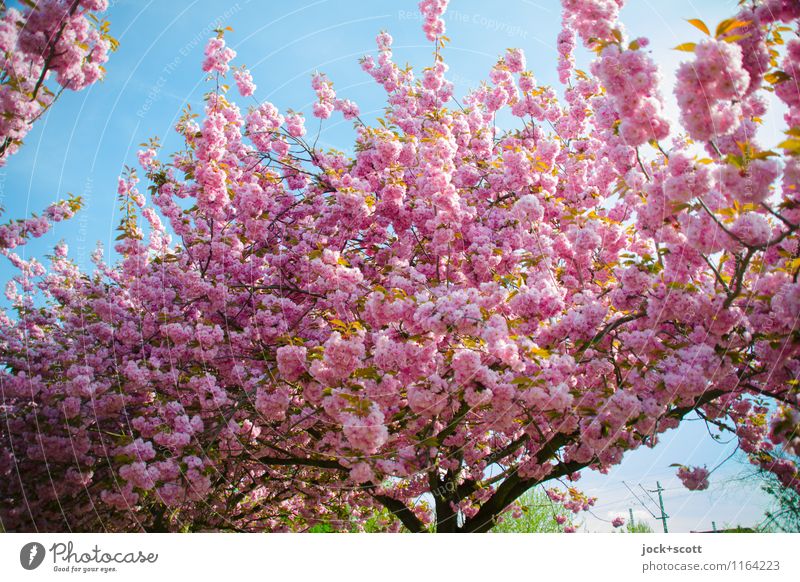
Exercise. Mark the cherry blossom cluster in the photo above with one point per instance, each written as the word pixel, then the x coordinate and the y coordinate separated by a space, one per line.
pixel 244 82
pixel 694 479
pixel 432 11
pixel 61 38
pixel 16 233
pixel 710 88
pixel 594 20
pixel 631 81
pixel 218 55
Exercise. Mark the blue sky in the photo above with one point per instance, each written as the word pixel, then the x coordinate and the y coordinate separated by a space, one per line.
pixel 82 144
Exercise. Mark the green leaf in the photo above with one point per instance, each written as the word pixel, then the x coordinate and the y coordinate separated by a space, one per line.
pixel 370 373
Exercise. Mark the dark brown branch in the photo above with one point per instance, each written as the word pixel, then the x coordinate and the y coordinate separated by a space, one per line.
pixel 319 463
pixel 611 327
pixel 401 511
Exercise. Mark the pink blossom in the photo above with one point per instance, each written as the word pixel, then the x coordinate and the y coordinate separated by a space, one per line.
pixel 291 361
pixel 366 433
pixel 432 10
pixel 694 479
pixel 218 56
pixel 709 88
pixel 752 229
pixel 244 82
pixel 361 473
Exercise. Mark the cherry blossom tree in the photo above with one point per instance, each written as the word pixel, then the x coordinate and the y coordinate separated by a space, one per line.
pixel 435 323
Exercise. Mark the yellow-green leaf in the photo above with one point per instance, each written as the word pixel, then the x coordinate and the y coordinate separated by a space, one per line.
pixel 792 145
pixel 776 77
pixel 370 373
pixel 687 47
pixel 699 24
pixel 735 37
pixel 728 25
pixel 537 351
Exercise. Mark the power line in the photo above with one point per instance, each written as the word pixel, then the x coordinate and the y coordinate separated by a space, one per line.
pixel 648 494
pixel 640 501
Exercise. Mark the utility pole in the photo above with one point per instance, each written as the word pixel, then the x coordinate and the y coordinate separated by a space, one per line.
pixel 664 516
